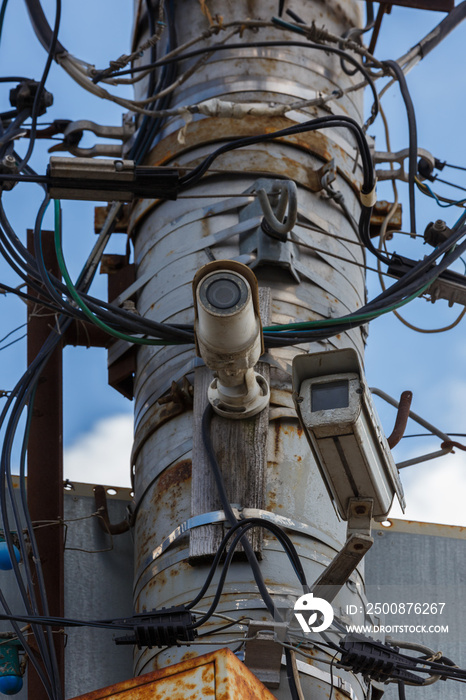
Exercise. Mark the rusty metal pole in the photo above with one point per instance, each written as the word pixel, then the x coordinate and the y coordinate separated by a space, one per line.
pixel 266 463
pixel 45 463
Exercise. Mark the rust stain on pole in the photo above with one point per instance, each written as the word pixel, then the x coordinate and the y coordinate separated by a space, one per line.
pixel 45 462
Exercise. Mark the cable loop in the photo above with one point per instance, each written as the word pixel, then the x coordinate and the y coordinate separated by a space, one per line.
pixel 277 222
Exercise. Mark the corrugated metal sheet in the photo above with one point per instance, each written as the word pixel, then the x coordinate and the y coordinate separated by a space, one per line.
pixel 422 563
pixel 98 584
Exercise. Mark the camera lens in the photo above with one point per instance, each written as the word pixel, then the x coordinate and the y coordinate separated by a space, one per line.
pixel 223 293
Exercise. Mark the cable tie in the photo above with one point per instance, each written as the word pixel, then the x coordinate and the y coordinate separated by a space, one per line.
pixel 368 199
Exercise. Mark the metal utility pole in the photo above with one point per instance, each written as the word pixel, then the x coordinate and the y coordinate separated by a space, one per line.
pixel 265 460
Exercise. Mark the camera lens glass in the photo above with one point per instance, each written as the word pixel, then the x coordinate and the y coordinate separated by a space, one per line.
pixel 223 293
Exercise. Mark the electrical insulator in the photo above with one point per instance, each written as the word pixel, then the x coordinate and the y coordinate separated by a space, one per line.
pixel 5 559
pixel 11 680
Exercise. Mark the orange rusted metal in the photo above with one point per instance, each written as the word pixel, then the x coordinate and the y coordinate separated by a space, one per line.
pixel 216 676
pixel 379 214
pixel 100 216
pixel 219 129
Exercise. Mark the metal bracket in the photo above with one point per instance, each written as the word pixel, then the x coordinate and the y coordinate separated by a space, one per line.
pixel 331 679
pixel 263 651
pixel 269 250
pixel 446 439
pixel 74 133
pixel 358 542
pixel 398 157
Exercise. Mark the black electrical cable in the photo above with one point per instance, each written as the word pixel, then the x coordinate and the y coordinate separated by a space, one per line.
pixel 151 126
pixel 28 650
pixel 153 48
pixel 8 335
pixel 16 401
pixel 10 114
pixel 13 342
pixel 2 16
pixel 206 423
pixel 456 167
pixel 219 590
pixel 22 391
pixel 423 273
pixel 52 665
pixel 12 79
pixel 290 675
pixel 122 318
pixel 375 305
pixel 418 435
pixel 253 44
pixel 244 526
pixel 356 32
pixel 42 28
pixel 313 125
pixel 53 44
pixel 412 127
pixel 451 184
pixel 13 131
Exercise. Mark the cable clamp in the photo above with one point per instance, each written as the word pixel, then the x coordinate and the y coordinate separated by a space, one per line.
pixel 160 628
pixel 368 199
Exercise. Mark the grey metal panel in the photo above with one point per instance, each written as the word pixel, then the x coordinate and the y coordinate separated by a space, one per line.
pixel 418 562
pixel 97 586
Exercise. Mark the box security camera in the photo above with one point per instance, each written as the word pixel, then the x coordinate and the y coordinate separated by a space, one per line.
pixel 229 337
pixel 334 405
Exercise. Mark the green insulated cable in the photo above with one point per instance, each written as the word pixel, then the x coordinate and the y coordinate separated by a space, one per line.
pixel 310 325
pixel 80 302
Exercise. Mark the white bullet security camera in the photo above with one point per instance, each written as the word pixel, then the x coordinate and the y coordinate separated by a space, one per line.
pixel 334 405
pixel 229 337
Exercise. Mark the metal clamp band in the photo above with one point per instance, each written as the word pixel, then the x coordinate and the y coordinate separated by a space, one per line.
pixel 218 516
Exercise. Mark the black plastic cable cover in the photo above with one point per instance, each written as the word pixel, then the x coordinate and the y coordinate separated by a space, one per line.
pixel 41 27
pixel 400 76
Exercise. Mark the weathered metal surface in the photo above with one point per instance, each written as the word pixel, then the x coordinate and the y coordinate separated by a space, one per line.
pixel 175 240
pixel 257 161
pixel 121 369
pixel 263 652
pixel 421 562
pixel 101 508
pixel 219 675
pixel 98 584
pixel 379 213
pixel 100 216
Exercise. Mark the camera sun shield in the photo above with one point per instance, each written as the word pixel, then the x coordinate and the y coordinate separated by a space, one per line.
pixel 335 407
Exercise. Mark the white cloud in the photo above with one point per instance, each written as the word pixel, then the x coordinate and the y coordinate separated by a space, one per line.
pixel 436 493
pixel 102 456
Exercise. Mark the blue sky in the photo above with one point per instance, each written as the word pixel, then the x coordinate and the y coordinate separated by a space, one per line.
pixel 97 419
